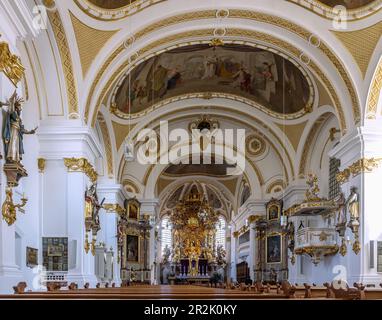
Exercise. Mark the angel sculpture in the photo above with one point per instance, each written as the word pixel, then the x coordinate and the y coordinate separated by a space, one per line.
pixel 13 131
pixel 312 194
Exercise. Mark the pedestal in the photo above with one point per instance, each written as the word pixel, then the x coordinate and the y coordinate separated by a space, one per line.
pixel 14 172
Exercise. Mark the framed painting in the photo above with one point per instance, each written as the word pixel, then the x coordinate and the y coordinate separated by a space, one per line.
pixel 274 208
pixel 133 207
pixel 31 257
pixel 132 248
pixel 56 250
pixel 55 254
pixel 274 248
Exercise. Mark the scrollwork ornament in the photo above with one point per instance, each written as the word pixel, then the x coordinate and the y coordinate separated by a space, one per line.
pixel 10 64
pixel 81 165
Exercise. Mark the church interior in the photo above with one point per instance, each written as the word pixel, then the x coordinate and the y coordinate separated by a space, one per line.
pixel 172 149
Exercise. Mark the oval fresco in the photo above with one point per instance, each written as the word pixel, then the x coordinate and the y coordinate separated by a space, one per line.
pixel 111 4
pixel 254 73
pixel 349 4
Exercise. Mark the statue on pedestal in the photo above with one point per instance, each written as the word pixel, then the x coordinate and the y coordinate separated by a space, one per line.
pixel 92 223
pixel 13 131
pixel 352 204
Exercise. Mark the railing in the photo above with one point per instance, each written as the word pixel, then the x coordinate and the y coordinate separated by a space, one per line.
pixel 307 237
pixel 316 243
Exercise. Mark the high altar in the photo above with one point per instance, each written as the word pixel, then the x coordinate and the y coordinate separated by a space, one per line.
pixel 194 256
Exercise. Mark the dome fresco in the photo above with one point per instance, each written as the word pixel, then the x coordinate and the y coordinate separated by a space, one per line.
pixel 256 74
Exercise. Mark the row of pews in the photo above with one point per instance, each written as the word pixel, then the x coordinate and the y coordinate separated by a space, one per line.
pixel 257 290
pixel 334 290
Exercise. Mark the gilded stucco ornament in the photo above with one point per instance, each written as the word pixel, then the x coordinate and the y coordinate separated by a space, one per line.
pixel 41 163
pixel 10 64
pixel 343 248
pixel 312 194
pixel 9 208
pixel 81 165
pixel 363 165
pixel 114 208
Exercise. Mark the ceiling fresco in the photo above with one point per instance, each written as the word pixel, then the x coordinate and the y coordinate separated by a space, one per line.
pixel 256 74
pixel 349 4
pixel 111 4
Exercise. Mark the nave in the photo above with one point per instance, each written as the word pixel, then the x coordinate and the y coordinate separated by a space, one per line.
pixel 184 149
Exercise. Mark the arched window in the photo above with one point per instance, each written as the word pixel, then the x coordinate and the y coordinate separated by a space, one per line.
pixel 221 232
pixel 334 186
pixel 166 237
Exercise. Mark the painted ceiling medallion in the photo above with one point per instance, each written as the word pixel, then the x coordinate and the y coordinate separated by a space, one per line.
pixel 111 4
pixel 255 145
pixel 249 72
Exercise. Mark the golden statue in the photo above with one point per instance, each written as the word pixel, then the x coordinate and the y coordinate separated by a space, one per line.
pixel 9 208
pixel 312 194
pixel 10 64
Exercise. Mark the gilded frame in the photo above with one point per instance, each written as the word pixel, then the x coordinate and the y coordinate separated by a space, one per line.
pixel 138 247
pixel 278 235
pixel 133 209
pixel 31 257
pixel 274 208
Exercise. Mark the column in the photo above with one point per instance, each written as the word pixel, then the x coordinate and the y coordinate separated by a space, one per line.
pixel 71 152
pixel 114 195
pixel 252 252
pixel 361 167
pixel 228 255
pixel 233 255
pixel 149 207
pixel 83 263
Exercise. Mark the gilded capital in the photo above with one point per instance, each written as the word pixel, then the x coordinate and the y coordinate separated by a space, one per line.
pixel 81 165
pixel 253 218
pixel 114 208
pixel 41 164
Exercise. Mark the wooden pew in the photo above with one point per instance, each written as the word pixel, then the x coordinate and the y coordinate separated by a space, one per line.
pixel 73 286
pixel 345 292
pixel 288 289
pixel 308 291
pixel 20 288
pixel 53 287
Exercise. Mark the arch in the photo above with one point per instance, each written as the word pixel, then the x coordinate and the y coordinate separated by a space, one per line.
pixel 371 111
pixel 188 182
pixel 240 114
pixel 158 169
pixel 298 31
pixel 306 143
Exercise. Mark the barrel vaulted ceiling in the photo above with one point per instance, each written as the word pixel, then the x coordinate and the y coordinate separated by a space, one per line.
pixel 101 47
